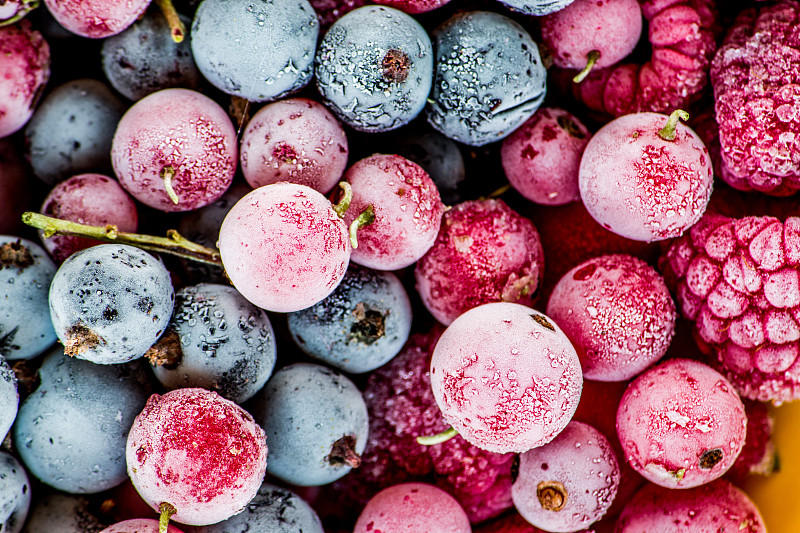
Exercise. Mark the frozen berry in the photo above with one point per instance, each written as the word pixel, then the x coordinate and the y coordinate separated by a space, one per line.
pixel 24 71
pixel 96 18
pixel 139 525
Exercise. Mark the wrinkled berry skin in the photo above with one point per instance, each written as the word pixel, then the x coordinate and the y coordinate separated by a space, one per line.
pixel 374 68
pixel 681 424
pixel 475 100
pixel 755 75
pixel 260 50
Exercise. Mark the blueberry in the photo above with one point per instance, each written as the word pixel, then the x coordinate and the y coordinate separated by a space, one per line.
pixel 536 7
pixel 489 78
pixel 9 397
pixel 374 68
pixel 441 159
pixel 360 326
pixel 25 276
pixel 65 513
pixel 15 494
pixel 260 50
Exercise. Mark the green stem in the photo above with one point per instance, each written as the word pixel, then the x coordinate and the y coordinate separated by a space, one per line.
pixel 344 204
pixel 167 173
pixel 501 191
pixel 167 511
pixel 177 29
pixel 444 436
pixel 174 243
pixel 27 7
pixel 591 59
pixel 668 132
pixel 367 216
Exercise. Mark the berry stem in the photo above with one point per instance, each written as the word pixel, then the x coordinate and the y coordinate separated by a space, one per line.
pixel 167 511
pixel 174 243
pixel 344 204
pixel 501 191
pixel 591 59
pixel 366 217
pixel 439 438
pixel 167 173
pixel 26 7
pixel 668 132
pixel 177 29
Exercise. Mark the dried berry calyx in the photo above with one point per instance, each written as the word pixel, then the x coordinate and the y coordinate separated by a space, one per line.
pixel 710 458
pixel 552 495
pixel 370 325
pixel 395 66
pixel 80 338
pixel 15 255
pixel 343 452
pixel 166 351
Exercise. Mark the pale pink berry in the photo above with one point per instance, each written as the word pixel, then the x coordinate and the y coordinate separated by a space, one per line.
pixel 24 71
pixel 413 507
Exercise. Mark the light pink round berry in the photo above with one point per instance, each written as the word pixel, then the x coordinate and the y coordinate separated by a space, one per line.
pixel 641 186
pixel 712 508
pixel 138 525
pixel 570 482
pixel 618 313
pixel 96 19
pixel 413 507
pixel 506 377
pixel 296 140
pixel 541 158
pixel 24 71
pixel 681 424
pixel 175 139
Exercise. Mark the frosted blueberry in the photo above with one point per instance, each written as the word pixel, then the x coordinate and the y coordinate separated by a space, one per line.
pixel 15 494
pixel 9 397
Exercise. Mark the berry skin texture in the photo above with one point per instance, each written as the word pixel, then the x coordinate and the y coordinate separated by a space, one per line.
pixel 641 186
pixel 413 507
pixel 755 78
pixel 295 140
pixel 570 482
pixel 506 377
pixel 711 508
pixel 138 525
pixel 618 313
pixel 485 252
pixel 408 211
pixel 739 280
pixel 284 247
pixel 197 451
pixel 176 131
pixel 24 71
pixel 536 7
pixel 9 397
pixel 681 424
pixel 15 494
pixel 96 18
pixel 541 158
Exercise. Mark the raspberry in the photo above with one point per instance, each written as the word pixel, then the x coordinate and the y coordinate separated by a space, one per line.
pixel 755 76
pixel 739 280
pixel 758 455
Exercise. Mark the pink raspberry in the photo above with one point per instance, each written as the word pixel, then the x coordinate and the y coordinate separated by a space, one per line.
pixel 758 455
pixel 739 280
pixel 755 75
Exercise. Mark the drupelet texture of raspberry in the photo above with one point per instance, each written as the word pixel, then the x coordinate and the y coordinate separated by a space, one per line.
pixel 682 34
pixel 401 408
pixel 739 280
pixel 756 80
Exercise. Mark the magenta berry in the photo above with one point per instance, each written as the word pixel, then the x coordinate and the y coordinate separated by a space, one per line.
pixel 296 140
pixel 200 453
pixel 485 252
pixel 618 313
pixel 96 18
pixel 758 454
pixel 646 176
pixel 408 211
pixel 87 199
pixel 24 71
pixel 175 150
pixel 681 424
pixel 413 507
pixel 711 508
pixel 541 158
pixel 570 482
pixel 284 247
pixel 506 377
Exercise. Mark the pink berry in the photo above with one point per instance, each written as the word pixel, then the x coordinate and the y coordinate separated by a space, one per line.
pixel 618 313
pixel 541 158
pixel 639 184
pixel 175 150
pixel 91 199
pixel 24 71
pixel 408 211
pixel 485 252
pixel 506 377
pixel 96 18
pixel 412 7
pixel 681 424
pixel 570 482
pixel 200 453
pixel 296 140
pixel 712 508
pixel 758 454
pixel 412 507
pixel 138 525
pixel 610 27
pixel 284 247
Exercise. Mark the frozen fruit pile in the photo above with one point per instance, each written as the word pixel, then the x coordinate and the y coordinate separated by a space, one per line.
pixel 333 266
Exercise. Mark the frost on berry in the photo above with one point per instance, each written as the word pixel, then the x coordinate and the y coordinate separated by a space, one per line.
pixel 755 75
pixel 739 280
